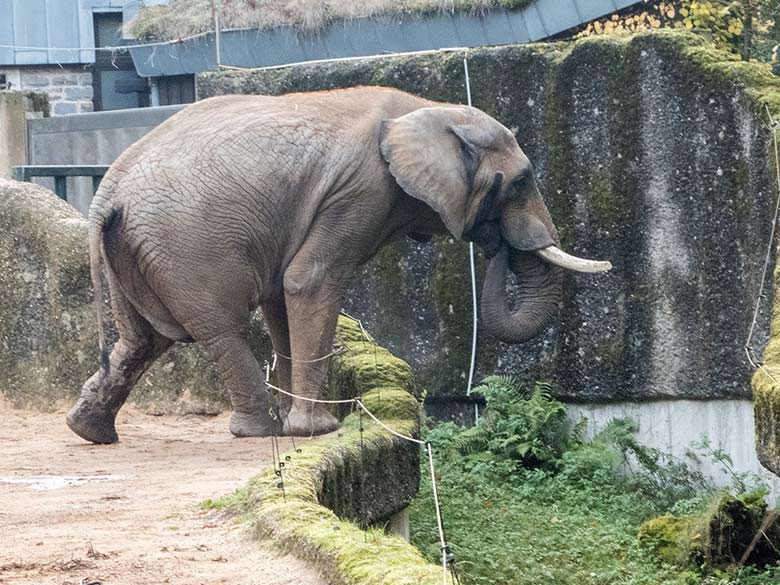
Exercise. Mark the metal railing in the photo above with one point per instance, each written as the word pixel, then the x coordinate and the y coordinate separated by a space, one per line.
pixel 60 174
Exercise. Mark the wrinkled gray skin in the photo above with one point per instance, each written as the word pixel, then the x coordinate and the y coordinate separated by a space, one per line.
pixel 245 201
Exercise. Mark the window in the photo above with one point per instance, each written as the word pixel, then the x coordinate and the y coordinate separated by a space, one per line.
pixel 115 81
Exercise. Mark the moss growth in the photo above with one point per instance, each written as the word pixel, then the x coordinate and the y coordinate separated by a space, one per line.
pixel 351 474
pixel 365 365
pixel 766 392
pixel 717 537
pixel 669 537
pixel 609 352
pixel 717 69
pixel 390 267
pixel 231 500
pixel 605 204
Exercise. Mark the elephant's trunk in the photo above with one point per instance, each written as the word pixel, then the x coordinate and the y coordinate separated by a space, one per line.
pixel 540 292
pixel 533 255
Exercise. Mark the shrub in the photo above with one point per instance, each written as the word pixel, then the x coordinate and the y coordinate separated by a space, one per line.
pixel 521 426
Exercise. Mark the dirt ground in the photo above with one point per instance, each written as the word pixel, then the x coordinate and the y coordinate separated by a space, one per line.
pixel 72 513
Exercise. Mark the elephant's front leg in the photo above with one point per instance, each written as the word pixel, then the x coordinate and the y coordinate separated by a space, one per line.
pixel 313 305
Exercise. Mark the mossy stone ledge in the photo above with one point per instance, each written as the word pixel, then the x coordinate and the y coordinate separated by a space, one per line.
pixel 340 488
pixel 766 395
pixel 718 537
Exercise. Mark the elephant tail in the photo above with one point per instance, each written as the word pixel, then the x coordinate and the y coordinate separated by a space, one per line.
pixel 99 222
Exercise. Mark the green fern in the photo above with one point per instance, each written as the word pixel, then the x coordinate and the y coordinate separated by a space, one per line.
pixel 520 425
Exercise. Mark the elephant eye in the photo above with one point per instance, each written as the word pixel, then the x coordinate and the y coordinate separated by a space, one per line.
pixel 519 185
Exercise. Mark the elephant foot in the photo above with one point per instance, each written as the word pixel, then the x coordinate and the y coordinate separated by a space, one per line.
pixel 313 419
pixel 92 423
pixel 244 424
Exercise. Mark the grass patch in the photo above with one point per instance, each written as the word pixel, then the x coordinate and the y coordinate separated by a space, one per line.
pixel 181 18
pixel 563 511
pixel 232 500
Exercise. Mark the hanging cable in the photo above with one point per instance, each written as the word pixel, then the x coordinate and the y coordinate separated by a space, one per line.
pixel 757 363
pixel 361 509
pixel 475 319
pixel 447 559
pixel 439 523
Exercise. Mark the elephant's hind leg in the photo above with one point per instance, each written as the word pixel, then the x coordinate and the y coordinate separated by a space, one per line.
pixel 93 416
pixel 243 379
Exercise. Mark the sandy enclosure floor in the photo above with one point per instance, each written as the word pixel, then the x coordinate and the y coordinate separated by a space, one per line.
pixel 128 514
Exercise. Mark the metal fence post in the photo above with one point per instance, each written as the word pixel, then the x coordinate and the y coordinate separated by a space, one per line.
pixel 61 187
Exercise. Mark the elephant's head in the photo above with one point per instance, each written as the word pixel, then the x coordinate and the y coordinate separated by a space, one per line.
pixel 471 171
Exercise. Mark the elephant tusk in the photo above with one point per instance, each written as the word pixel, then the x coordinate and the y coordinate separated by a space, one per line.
pixel 554 255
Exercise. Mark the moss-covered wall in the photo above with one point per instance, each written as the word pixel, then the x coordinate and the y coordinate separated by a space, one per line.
pixel 652 152
pixel 336 492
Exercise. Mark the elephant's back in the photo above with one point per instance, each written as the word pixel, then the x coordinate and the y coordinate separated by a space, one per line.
pixel 224 173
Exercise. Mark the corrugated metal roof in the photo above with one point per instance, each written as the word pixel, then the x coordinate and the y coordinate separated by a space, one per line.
pixel 29 24
pixel 360 38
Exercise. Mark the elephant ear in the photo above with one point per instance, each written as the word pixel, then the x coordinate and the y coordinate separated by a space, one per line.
pixel 433 154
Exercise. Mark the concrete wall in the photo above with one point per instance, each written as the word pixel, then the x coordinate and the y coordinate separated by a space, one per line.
pixel 13 137
pixel 677 427
pixel 652 152
pixel 84 139
pixel 15 108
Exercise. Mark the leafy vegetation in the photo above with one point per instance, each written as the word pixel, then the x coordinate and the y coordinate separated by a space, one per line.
pixel 527 501
pixel 745 27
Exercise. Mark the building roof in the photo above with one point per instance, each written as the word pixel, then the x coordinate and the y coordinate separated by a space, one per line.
pixel 396 33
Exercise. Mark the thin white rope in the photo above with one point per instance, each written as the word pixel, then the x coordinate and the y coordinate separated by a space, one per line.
pixel 475 318
pixel 442 540
pixel 345 401
pixel 111 48
pixel 767 259
pixel 307 399
pixel 336 351
pixel 387 428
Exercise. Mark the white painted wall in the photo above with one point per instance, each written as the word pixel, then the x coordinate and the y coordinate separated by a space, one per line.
pixel 673 425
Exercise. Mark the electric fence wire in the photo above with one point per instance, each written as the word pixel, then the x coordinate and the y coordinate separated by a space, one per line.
pixel 108 48
pixel 758 363
pixel 362 507
pixel 448 564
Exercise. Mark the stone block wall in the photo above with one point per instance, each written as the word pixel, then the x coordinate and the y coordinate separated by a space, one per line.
pixel 69 87
pixel 651 151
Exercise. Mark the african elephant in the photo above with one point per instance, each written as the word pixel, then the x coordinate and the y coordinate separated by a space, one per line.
pixel 244 201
